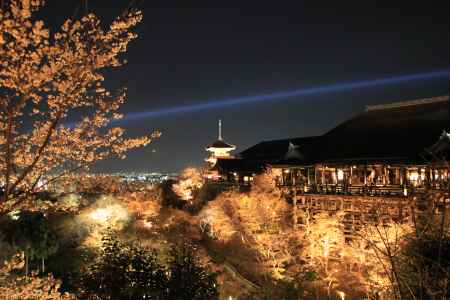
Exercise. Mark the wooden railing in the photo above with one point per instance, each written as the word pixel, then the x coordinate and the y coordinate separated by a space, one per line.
pixel 366 190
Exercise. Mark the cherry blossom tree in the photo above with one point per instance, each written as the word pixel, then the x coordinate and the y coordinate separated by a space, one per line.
pixel 56 115
pixel 28 288
pixel 190 183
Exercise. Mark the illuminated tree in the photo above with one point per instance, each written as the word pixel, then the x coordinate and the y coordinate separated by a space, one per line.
pixel 261 221
pixel 188 185
pixel 325 239
pixel 411 260
pixel 55 112
pixel 17 287
pixel 99 184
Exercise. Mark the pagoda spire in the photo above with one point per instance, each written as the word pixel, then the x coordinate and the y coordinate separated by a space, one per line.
pixel 220 130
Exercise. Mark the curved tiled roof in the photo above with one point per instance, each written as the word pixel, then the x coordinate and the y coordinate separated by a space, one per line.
pixel 394 133
pixel 220 144
pixel 274 149
pixel 401 130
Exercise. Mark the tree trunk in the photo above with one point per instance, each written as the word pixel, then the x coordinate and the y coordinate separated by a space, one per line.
pixel 294 213
pixel 442 227
pixel 26 266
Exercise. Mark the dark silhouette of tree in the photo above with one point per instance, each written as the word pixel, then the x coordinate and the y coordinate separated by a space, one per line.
pixel 188 280
pixel 124 271
pixel 32 234
pixel 128 271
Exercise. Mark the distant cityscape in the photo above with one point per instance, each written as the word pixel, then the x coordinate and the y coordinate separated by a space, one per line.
pixel 151 177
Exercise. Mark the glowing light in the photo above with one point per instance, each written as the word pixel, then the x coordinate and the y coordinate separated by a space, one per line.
pixel 341 295
pixel 101 214
pixel 109 215
pixel 317 90
pixel 14 215
pixel 147 224
pixel 340 174
pixel 422 174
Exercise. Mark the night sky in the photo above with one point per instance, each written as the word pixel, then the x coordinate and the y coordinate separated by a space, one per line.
pixel 196 51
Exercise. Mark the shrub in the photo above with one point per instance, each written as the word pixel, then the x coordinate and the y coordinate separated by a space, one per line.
pixel 124 271
pixel 188 280
pixel 128 271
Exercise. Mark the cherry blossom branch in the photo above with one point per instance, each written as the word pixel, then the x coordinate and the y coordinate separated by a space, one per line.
pixel 39 152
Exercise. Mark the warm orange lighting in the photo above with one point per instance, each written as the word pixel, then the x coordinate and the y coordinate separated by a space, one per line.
pixel 110 214
pixel 413 175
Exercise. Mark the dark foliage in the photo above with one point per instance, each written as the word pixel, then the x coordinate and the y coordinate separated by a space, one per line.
pixel 202 196
pixel 188 280
pixel 127 271
pixel 32 234
pixel 124 271
pixel 427 266
pixel 168 196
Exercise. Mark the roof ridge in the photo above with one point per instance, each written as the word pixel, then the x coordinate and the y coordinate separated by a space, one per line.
pixel 407 103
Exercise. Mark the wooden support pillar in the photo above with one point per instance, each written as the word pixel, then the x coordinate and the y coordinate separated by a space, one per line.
pixel 294 212
pixel 385 175
pixel 315 175
pixel 406 173
pixel 402 177
pixel 351 176
pixel 308 179
pixel 336 176
pixel 428 183
pixel 323 175
pixel 365 174
pixel 431 176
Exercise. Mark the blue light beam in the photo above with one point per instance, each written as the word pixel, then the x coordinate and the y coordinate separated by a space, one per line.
pixel 332 88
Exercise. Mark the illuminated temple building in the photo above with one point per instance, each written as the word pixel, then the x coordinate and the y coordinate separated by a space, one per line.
pixel 391 149
pixel 219 149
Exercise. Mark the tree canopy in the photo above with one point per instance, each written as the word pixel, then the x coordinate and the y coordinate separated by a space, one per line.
pixel 55 112
pixel 128 271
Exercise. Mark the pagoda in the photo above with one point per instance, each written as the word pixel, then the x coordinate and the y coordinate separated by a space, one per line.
pixel 218 149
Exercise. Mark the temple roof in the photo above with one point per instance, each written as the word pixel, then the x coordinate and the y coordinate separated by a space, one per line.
pixel 274 150
pixel 395 133
pixel 399 131
pixel 442 145
pixel 221 144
